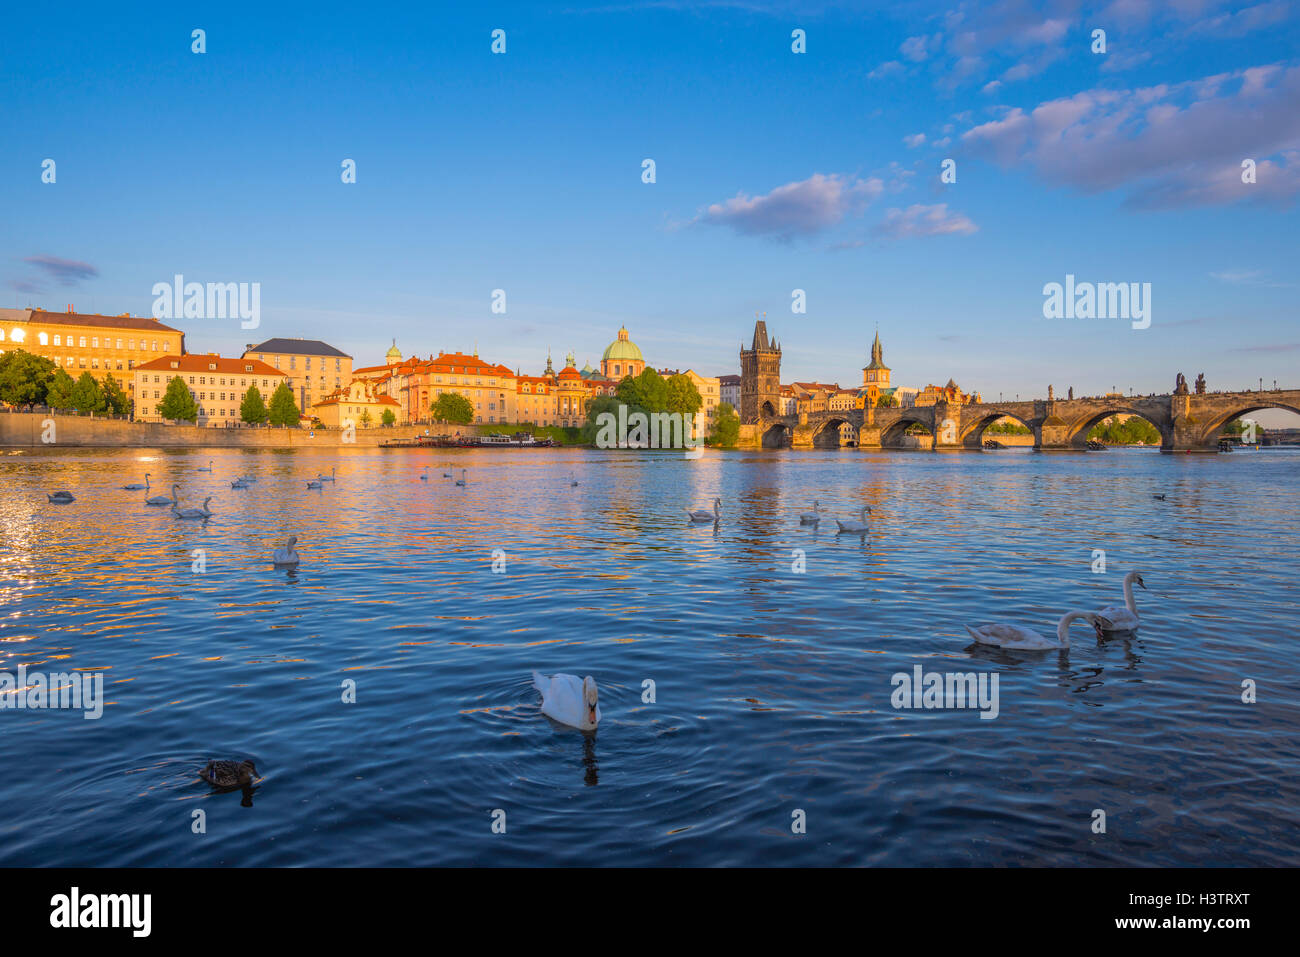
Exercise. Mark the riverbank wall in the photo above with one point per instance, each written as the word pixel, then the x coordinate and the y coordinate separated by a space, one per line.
pixel 36 430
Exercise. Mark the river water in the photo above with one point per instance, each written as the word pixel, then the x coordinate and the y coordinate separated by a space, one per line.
pixel 771 737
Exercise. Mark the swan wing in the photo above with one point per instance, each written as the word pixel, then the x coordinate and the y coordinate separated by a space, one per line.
pixel 561 697
pixel 1006 635
pixel 1120 618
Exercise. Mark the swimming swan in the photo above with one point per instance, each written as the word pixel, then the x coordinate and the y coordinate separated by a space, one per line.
pixel 852 526
pixel 239 483
pixel 326 478
pixel 1117 619
pixel 61 498
pixel 209 468
pixel 137 487
pixel 286 555
pixel 461 481
pixel 316 483
pixel 1013 636
pixel 193 512
pixel 163 499
pixel 704 515
pixel 811 518
pixel 569 699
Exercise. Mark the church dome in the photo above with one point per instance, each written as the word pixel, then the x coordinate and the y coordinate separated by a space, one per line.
pixel 394 354
pixel 622 348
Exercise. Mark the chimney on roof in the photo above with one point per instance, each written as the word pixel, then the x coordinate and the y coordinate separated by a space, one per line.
pixel 70 309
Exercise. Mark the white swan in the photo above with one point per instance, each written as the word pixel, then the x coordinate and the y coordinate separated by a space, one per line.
pixel 286 555
pixel 1117 619
pixel 851 526
pixel 326 478
pixel 62 498
pixel 573 482
pixel 239 483
pixel 163 499
pixel 569 699
pixel 193 512
pixel 461 480
pixel 446 474
pixel 315 483
pixel 811 518
pixel 1013 636
pixel 138 487
pixel 209 468
pixel 425 476
pixel 704 515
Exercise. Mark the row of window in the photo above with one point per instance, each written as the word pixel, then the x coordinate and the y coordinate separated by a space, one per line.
pixel 44 338
pixel 293 362
pixel 266 384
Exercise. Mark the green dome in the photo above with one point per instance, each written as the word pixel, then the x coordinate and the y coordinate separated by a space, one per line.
pixel 393 352
pixel 622 348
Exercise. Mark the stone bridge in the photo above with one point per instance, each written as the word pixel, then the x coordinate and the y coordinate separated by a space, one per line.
pixel 1187 423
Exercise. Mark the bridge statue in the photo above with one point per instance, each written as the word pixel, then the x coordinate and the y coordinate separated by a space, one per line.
pixel 1180 385
pixel 1051 394
pixel 1200 384
pixel 1070 395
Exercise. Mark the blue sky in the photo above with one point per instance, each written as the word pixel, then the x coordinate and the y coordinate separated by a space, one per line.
pixel 775 171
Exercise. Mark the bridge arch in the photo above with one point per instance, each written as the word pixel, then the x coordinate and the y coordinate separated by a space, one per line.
pixel 1078 434
pixel 1215 424
pixel 972 435
pixel 776 435
pixel 892 436
pixel 827 434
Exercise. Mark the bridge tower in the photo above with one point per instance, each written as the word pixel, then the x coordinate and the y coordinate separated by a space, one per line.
pixel 760 376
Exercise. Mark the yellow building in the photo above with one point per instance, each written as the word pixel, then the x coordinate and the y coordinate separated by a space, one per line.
pixel 360 403
pixel 85 342
pixel 217 384
pixel 315 369
pixel 951 393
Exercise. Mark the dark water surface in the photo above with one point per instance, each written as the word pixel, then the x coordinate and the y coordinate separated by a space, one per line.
pixel 772 688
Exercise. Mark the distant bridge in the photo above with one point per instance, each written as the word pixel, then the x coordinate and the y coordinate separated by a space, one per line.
pixel 1186 422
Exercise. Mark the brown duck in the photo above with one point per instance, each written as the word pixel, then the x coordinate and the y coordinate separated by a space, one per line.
pixel 229 774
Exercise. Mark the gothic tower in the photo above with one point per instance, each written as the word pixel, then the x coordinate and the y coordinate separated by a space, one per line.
pixel 760 377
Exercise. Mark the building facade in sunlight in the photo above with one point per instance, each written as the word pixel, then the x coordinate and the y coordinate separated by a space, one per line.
pixel 218 385
pixel 86 342
pixel 314 369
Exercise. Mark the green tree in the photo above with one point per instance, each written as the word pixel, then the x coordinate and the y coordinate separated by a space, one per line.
pixel 59 394
pixel 452 407
pixel 116 400
pixel 178 402
pixel 87 395
pixel 648 391
pixel 24 377
pixel 252 408
pixel 726 426
pixel 283 411
pixel 886 402
pixel 366 418
pixel 388 418
pixel 596 407
pixel 681 395
pixel 1129 432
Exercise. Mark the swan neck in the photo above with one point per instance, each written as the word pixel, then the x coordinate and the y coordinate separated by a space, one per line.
pixel 1063 628
pixel 1128 595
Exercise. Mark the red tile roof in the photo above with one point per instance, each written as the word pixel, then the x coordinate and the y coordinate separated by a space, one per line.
pixel 201 362
pixel 145 323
